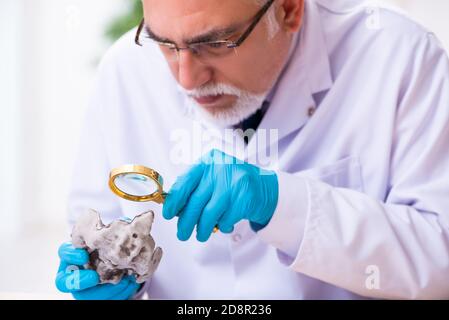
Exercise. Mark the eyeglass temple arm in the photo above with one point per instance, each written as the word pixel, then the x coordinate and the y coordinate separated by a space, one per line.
pixel 139 31
pixel 254 24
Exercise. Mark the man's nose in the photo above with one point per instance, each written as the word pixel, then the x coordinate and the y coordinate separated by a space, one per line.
pixel 192 73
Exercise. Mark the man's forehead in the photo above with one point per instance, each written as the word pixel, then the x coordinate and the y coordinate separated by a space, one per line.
pixel 189 7
pixel 187 19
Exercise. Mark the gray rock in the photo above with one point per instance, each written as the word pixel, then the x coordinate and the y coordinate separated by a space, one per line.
pixel 120 248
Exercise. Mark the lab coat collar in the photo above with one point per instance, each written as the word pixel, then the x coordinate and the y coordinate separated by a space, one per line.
pixel 308 73
pixel 313 50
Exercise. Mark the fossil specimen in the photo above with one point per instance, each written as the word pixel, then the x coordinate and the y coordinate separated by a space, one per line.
pixel 120 248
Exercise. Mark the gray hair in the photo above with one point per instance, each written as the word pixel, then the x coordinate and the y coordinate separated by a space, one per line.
pixel 270 18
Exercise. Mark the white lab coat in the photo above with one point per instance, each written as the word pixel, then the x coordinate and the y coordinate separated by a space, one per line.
pixel 362 113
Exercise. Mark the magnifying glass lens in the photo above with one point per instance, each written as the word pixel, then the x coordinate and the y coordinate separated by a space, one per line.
pixel 135 184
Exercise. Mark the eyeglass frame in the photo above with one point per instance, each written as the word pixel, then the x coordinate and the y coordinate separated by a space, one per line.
pixel 230 44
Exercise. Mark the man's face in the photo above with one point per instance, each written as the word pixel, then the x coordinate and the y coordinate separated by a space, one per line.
pixel 225 88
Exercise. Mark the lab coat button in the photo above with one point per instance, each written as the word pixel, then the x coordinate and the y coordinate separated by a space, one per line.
pixel 311 111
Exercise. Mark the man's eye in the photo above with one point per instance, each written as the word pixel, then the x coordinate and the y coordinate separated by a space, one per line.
pixel 216 45
pixel 167 45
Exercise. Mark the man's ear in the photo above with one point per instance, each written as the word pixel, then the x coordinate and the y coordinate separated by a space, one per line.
pixel 290 14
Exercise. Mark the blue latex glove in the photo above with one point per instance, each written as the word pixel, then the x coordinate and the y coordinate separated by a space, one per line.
pixel 84 284
pixel 221 190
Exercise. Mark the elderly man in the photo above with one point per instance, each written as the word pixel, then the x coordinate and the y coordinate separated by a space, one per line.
pixel 340 113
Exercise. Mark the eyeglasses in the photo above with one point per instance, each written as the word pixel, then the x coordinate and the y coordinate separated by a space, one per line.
pixel 208 49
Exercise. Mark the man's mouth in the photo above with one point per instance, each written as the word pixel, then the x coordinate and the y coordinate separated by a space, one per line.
pixel 208 100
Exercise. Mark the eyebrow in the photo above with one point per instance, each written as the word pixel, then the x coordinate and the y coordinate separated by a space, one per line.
pixel 212 35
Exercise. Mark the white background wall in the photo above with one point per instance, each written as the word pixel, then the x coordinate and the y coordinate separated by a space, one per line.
pixel 48 52
pixel 59 45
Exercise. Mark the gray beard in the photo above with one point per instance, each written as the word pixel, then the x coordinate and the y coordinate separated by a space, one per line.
pixel 243 108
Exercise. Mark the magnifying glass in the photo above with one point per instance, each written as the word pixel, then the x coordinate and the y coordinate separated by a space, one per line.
pixel 138 183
